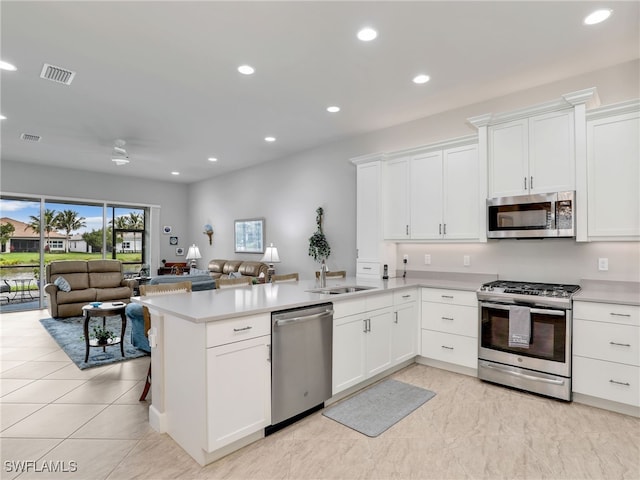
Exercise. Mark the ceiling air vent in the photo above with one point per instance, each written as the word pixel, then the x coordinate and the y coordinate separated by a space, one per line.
pixel 30 138
pixel 57 74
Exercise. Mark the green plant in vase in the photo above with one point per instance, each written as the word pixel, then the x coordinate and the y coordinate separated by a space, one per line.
pixel 319 247
pixel 102 335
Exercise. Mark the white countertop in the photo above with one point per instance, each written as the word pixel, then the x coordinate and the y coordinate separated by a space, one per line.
pixel 212 305
pixel 602 291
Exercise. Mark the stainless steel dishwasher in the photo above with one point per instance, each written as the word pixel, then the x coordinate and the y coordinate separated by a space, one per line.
pixel 301 356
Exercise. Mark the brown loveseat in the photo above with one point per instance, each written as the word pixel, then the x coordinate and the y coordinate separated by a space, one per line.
pixel 222 268
pixel 90 281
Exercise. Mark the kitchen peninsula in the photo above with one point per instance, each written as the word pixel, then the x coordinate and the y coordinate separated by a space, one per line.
pixel 211 389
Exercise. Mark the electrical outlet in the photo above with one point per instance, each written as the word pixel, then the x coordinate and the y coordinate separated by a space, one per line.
pixel 466 260
pixel 405 258
pixel 427 259
pixel 603 264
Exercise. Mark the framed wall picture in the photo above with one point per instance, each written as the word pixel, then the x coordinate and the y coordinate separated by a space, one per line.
pixel 173 240
pixel 179 251
pixel 249 235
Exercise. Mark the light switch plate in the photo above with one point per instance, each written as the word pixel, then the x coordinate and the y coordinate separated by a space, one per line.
pixel 466 260
pixel 603 264
pixel 427 259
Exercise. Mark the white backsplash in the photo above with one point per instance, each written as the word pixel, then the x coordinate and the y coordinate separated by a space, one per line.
pixel 548 260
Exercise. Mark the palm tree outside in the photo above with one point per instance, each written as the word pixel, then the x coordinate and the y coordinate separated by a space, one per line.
pixel 49 224
pixel 69 221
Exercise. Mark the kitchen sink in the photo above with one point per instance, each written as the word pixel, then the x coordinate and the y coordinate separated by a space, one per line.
pixel 339 290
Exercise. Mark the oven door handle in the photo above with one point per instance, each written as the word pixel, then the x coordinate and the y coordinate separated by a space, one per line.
pixel 524 375
pixel 543 311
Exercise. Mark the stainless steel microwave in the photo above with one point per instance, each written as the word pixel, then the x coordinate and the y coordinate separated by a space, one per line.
pixel 532 216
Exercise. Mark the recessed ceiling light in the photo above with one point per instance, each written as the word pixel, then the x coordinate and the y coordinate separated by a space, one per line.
pixel 7 66
pixel 367 34
pixel 212 159
pixel 269 139
pixel 422 78
pixel 175 173
pixel 2 117
pixel 246 69
pixel 597 16
pixel 333 109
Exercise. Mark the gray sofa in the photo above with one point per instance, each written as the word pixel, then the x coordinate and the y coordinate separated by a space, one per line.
pixel 198 282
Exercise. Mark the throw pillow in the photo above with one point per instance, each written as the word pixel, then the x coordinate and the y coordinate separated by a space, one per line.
pixel 235 275
pixel 62 284
pixel 197 271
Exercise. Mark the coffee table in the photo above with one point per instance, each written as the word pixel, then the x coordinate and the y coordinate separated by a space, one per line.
pixel 104 310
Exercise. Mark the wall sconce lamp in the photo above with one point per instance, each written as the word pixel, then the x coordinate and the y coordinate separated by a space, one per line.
pixel 193 254
pixel 270 257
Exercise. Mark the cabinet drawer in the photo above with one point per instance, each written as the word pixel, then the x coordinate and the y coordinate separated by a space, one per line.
pixel 450 348
pixel 607 312
pixel 374 302
pixel 456 297
pixel 607 341
pixel 236 329
pixel 368 268
pixel 344 308
pixel 611 381
pixel 457 319
pixel 405 296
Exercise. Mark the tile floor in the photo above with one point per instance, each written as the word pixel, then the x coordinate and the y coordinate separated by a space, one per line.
pixel 90 421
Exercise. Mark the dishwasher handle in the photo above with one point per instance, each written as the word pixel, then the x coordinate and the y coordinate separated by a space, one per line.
pixel 303 318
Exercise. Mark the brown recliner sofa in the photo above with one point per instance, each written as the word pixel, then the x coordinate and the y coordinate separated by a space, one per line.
pixel 222 268
pixel 90 281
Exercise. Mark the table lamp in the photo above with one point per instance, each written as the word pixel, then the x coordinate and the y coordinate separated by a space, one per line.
pixel 271 257
pixel 193 254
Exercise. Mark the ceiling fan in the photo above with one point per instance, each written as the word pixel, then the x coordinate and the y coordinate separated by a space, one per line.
pixel 119 155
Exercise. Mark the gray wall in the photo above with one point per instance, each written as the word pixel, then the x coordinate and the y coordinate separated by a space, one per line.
pixel 287 192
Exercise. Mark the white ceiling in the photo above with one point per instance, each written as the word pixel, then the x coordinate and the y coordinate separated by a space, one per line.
pixel 162 75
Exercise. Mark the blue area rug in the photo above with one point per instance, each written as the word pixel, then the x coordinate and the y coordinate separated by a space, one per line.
pixel 69 335
pixel 379 407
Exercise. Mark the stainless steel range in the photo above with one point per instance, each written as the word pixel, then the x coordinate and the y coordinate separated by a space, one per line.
pixel 525 336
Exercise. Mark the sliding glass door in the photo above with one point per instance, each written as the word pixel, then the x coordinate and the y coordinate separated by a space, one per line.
pixel 36 231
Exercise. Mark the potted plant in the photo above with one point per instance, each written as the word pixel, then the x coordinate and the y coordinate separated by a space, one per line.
pixel 102 335
pixel 319 247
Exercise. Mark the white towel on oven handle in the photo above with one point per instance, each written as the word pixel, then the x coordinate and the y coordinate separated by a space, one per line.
pixel 519 326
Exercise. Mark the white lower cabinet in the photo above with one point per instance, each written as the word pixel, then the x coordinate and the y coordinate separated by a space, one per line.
pixel 450 326
pixel 606 351
pixel 238 390
pixel 361 341
pixel 404 330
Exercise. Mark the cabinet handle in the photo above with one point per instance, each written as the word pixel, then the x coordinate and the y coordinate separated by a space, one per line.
pixel 242 329
pixel 447 318
pixel 407 229
pixel 269 353
pixel 366 268
pixel 439 229
pixel 626 384
pixel 396 320
pixel 367 325
pixel 406 296
pixel 446 296
pixel 364 325
pixel 620 314
pixel 620 344
pixel 444 229
pixel 448 348
pixel 531 183
pixel 525 183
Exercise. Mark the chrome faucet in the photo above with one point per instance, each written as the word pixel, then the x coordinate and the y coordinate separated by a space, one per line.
pixel 323 275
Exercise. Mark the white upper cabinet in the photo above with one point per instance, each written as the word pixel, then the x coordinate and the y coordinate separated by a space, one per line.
pixel 368 211
pixel 613 172
pixel 434 193
pixel 538 149
pixel 396 194
pixel 532 155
